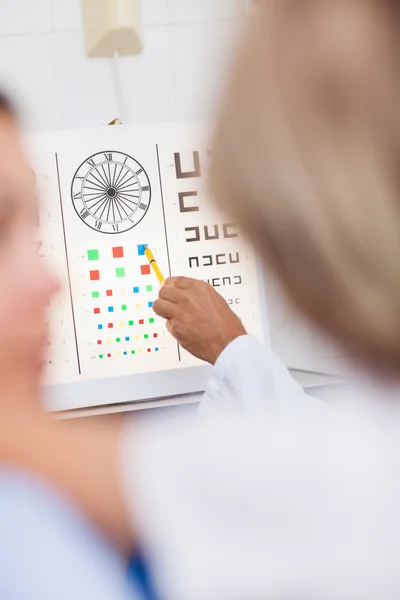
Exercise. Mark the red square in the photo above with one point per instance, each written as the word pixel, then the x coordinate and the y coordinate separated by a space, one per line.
pixel 145 269
pixel 94 275
pixel 118 252
pixel 96 311
pixel 99 342
pixel 109 292
pixel 155 335
pixel 141 322
pixel 148 350
pixel 109 355
pixel 110 326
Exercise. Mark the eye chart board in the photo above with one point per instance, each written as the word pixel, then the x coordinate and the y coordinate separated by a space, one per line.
pixel 105 195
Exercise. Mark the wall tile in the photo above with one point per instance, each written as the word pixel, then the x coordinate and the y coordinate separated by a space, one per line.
pixel 194 11
pixel 154 12
pixel 200 54
pixel 148 83
pixel 84 85
pixel 67 15
pixel 25 17
pixel 29 74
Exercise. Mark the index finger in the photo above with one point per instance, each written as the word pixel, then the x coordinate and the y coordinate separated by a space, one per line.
pixel 182 283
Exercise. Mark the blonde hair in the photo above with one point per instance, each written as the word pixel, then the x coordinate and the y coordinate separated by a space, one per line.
pixel 306 156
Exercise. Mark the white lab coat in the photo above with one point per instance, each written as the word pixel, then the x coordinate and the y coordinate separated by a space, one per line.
pixel 272 495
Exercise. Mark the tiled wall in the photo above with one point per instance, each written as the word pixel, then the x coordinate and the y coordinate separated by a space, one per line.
pixel 178 76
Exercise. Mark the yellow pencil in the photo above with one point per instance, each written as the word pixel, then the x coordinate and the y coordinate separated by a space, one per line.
pixel 154 265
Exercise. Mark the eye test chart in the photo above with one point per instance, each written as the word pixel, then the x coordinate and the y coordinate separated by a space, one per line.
pixel 105 195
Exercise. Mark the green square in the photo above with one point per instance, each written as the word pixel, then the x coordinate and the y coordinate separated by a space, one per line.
pixel 132 352
pixel 95 294
pixel 146 336
pixel 120 272
pixel 123 307
pixel 93 254
pixel 149 288
pixel 100 356
pixel 151 320
pixel 130 323
pixel 118 339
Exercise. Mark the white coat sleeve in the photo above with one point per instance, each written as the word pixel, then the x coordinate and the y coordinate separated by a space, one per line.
pixel 249 377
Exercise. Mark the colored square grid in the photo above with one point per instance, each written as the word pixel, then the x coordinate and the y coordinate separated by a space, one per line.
pixel 108 355
pixel 127 339
pixel 149 288
pixel 130 323
pixel 132 352
pixel 146 336
pixel 96 311
pixel 125 353
pixel 120 272
pixel 100 356
pixel 118 340
pixel 141 322
pixel 93 254
pixel 94 275
pixel 110 325
pixel 148 350
pixel 95 294
pixel 109 293
pixel 145 269
pixel 155 335
pixel 141 248
pixel 150 304
pixel 151 320
pixel 99 342
pixel 135 290
pixel 156 349
pixel 110 309
pixel 99 326
pixel 118 252
pixel 123 307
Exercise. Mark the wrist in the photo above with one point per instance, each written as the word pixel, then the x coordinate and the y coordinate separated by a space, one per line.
pixel 219 345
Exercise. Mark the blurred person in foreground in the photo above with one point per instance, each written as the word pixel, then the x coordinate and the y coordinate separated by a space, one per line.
pixel 278 503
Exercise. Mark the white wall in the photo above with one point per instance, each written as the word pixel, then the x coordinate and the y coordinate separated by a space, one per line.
pixel 43 62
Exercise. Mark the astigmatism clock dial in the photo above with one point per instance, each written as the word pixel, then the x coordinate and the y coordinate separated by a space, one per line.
pixel 111 192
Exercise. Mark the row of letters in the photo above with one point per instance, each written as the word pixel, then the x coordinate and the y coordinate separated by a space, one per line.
pixel 209 260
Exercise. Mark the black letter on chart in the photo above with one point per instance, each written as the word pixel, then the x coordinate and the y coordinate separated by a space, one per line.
pixel 226 281
pixel 231 260
pixel 182 206
pixel 193 258
pixel 211 237
pixel 239 279
pixel 221 262
pixel 208 257
pixel 196 230
pixel 214 282
pixel 187 174
pixel 226 232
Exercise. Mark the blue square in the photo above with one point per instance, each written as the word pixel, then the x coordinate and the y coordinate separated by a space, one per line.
pixel 125 353
pixel 141 248
pixel 127 339
pixel 99 326
pixel 156 349
pixel 135 290
pixel 150 304
pixel 110 309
